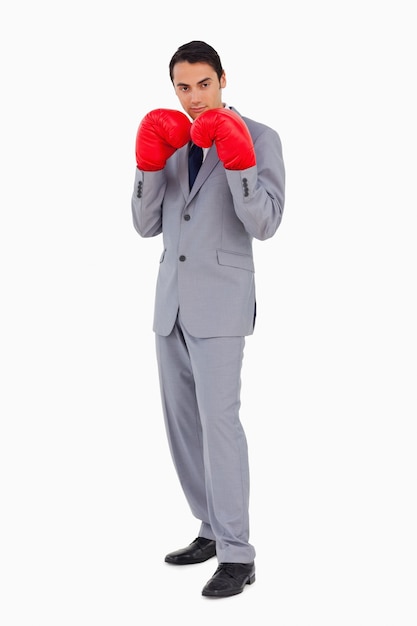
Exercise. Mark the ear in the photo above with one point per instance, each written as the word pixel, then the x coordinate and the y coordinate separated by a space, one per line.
pixel 223 80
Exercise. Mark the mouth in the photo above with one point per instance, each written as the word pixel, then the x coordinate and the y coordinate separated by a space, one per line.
pixel 197 110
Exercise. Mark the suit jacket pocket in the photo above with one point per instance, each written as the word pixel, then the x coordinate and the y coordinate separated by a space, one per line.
pixel 235 259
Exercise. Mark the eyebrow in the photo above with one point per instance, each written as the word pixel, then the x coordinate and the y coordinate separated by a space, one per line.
pixel 205 80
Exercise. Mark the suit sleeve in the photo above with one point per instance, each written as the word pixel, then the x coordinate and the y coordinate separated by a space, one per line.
pixel 147 199
pixel 259 191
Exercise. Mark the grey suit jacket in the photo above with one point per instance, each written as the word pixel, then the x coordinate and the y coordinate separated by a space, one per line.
pixel 206 267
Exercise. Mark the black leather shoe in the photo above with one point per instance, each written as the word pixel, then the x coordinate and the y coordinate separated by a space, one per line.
pixel 229 579
pixel 199 550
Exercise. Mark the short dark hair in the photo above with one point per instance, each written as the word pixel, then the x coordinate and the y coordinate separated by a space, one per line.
pixel 197 52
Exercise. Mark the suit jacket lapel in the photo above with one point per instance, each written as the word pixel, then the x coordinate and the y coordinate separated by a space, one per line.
pixel 183 171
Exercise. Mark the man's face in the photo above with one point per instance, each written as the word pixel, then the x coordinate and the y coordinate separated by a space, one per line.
pixel 198 87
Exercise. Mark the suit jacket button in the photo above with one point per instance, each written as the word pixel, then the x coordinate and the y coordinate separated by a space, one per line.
pixel 245 187
pixel 187 217
pixel 182 258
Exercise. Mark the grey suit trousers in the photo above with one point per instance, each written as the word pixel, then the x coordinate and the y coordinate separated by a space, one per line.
pixel 200 382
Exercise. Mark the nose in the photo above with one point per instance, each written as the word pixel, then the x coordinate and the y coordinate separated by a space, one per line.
pixel 194 96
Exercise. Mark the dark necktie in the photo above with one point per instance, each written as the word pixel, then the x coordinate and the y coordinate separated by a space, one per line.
pixel 195 159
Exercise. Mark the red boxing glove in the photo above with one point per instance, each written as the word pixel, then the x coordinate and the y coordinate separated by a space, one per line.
pixel 160 134
pixel 230 134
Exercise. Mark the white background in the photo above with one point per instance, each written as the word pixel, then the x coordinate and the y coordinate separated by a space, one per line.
pixel 89 500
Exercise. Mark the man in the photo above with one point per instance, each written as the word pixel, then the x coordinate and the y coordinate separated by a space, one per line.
pixel 205 295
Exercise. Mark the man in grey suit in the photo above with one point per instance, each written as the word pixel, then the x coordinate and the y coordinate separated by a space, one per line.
pixel 205 296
